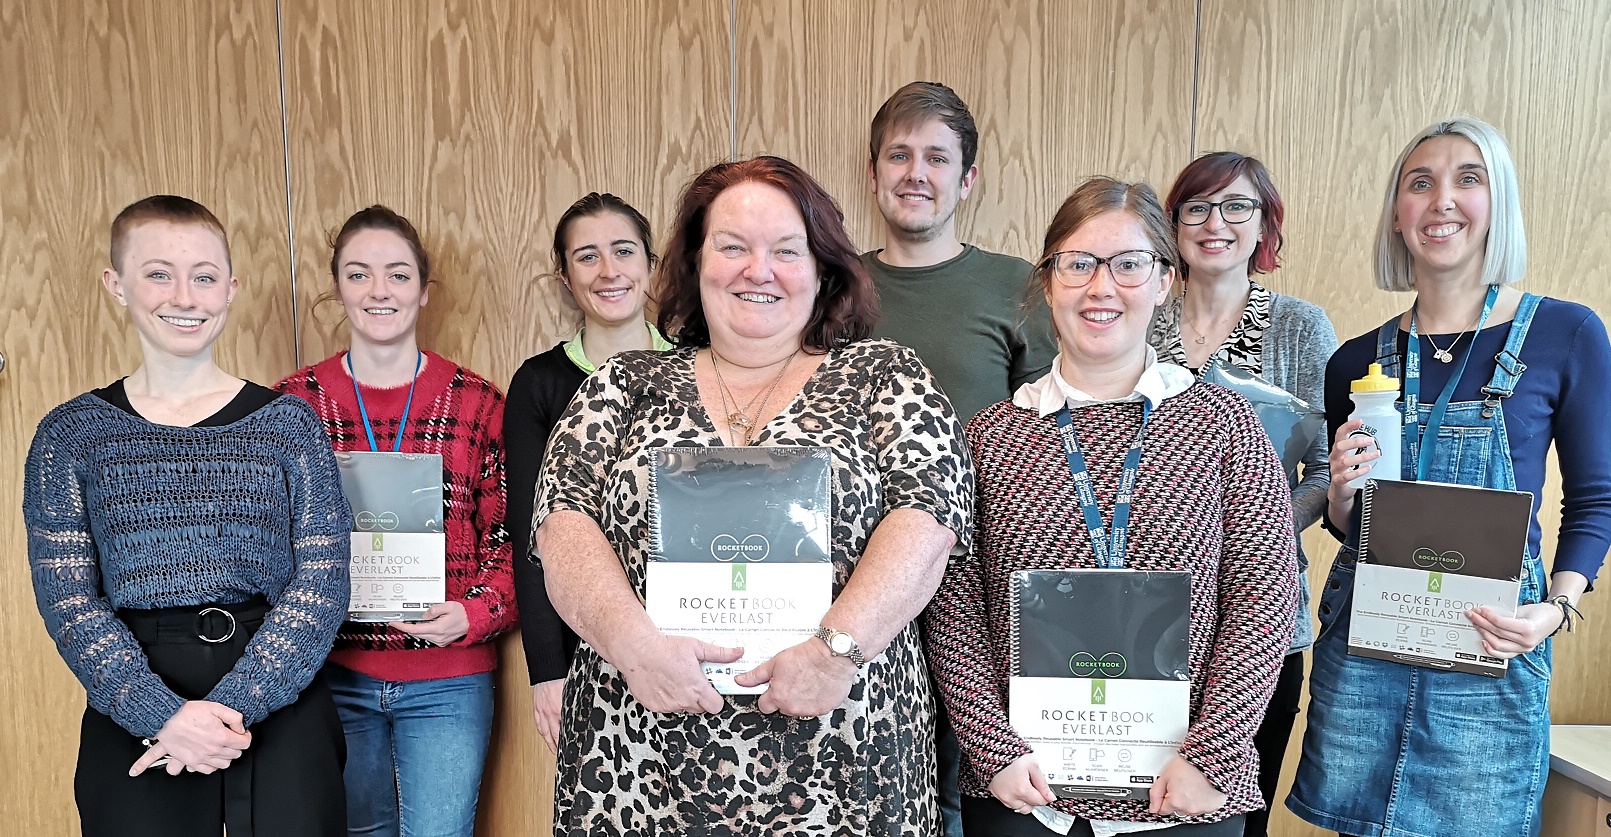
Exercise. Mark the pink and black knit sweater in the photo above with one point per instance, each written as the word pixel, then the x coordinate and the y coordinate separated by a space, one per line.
pixel 1210 498
pixel 458 414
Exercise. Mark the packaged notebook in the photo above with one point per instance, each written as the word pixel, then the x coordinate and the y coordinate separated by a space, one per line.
pixel 1429 552
pixel 1101 689
pixel 739 551
pixel 399 550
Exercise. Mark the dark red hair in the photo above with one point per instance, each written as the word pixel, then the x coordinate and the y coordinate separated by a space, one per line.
pixel 846 307
pixel 1214 171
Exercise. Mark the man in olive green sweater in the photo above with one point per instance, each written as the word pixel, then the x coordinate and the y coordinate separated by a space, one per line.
pixel 961 308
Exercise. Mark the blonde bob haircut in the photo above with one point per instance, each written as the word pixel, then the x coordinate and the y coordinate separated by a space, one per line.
pixel 1505 254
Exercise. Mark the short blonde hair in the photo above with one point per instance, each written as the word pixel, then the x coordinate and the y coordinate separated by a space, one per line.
pixel 1505 254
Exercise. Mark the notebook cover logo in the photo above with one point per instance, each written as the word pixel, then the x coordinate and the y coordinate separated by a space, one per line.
pixel 1086 664
pixel 725 547
pixel 1430 559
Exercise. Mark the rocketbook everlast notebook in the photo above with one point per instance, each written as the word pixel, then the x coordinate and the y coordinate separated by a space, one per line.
pixel 739 550
pixel 1430 552
pixel 1101 688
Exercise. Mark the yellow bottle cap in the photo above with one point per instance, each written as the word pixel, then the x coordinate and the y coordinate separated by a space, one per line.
pixel 1375 381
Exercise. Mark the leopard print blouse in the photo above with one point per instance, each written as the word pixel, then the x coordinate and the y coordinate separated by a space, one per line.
pixel 868 767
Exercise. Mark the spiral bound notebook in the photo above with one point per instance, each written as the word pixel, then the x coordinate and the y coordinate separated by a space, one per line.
pixel 1429 552
pixel 739 549
pixel 398 565
pixel 1100 686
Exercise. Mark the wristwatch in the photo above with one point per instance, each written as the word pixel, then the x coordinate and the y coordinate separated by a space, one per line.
pixel 841 644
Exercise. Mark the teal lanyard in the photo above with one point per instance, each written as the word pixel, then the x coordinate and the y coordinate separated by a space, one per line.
pixel 1420 441
pixel 402 423
pixel 1110 544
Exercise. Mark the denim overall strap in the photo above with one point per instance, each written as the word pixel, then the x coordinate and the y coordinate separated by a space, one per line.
pixel 1508 365
pixel 1387 347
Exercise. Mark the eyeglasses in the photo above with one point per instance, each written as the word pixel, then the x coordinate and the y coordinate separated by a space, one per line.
pixel 1233 210
pixel 1130 269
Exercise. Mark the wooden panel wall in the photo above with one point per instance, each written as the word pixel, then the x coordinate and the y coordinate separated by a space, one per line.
pixel 1058 95
pixel 483 119
pixel 102 103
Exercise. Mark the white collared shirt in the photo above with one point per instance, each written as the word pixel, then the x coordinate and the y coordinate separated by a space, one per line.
pixel 1159 381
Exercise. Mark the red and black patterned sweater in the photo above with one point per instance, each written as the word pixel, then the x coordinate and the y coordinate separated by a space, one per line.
pixel 458 414
pixel 1210 498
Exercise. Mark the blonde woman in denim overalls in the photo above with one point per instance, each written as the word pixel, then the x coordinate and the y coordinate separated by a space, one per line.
pixel 1399 751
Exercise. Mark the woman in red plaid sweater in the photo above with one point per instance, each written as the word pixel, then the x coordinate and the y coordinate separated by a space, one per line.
pixel 415 698
pixel 1209 497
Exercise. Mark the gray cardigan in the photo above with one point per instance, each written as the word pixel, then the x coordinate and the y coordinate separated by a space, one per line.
pixel 1294 351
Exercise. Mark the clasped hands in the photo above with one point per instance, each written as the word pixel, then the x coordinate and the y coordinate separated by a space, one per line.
pixel 1180 789
pixel 664 674
pixel 202 737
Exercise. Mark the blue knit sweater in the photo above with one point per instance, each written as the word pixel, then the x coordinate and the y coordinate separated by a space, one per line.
pixel 123 513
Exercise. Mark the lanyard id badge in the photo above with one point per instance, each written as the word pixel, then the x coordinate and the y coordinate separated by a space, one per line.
pixel 1110 544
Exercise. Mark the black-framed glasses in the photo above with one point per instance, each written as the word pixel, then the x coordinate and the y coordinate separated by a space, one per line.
pixel 1233 210
pixel 1130 269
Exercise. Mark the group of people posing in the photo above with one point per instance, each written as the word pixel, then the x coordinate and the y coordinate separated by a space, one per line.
pixel 189 538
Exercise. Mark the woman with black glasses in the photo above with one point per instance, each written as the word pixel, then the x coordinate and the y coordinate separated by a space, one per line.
pixel 1227 216
pixel 1208 498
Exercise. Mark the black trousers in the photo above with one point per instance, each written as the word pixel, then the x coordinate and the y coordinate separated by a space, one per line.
pixel 989 816
pixel 288 782
pixel 1271 739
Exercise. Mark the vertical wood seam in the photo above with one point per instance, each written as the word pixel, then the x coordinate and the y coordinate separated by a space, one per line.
pixel 290 220
pixel 1196 73
pixel 732 79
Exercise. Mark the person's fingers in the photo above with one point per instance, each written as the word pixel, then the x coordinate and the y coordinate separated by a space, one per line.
pixel 1155 795
pixel 1041 786
pixel 229 717
pixel 174 767
pixel 151 756
pixel 709 699
pixel 756 676
pixel 709 653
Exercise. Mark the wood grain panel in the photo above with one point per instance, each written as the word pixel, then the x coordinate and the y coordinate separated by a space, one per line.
pixel 1327 94
pixel 1060 91
pixel 101 103
pixel 482 122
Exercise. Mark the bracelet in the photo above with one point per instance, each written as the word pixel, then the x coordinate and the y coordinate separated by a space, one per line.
pixel 1570 615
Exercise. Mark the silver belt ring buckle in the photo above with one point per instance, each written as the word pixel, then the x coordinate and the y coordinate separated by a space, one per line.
pixel 201 617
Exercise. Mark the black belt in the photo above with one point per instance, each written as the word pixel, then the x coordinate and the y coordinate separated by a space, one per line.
pixel 210 624
pixel 223 626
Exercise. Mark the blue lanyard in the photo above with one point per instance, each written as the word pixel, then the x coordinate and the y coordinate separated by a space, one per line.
pixel 1420 441
pixel 402 423
pixel 1110 545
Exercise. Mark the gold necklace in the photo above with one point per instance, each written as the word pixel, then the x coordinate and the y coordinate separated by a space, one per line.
pixel 743 420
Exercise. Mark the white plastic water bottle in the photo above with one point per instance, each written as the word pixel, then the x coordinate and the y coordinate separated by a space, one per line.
pixel 1374 398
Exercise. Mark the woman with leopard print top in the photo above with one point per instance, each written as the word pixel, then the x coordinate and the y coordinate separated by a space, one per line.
pixel 769 307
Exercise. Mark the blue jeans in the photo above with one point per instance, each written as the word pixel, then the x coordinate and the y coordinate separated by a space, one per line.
pixel 414 752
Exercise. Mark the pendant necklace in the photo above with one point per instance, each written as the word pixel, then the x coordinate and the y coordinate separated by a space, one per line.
pixel 744 420
pixel 1445 354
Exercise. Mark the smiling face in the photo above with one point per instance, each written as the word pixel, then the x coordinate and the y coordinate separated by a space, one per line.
pixel 757 278
pixel 379 285
pixel 606 268
pixel 1103 325
pixel 1215 248
pixel 918 180
pixel 175 281
pixel 1444 207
